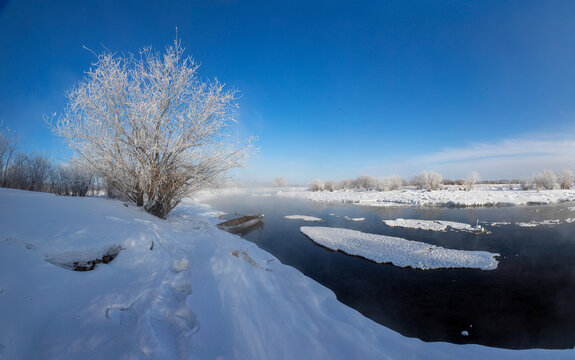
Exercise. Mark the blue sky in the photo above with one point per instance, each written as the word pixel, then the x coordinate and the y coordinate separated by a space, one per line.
pixel 331 89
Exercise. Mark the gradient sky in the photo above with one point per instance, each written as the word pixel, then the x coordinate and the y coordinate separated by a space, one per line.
pixel 331 89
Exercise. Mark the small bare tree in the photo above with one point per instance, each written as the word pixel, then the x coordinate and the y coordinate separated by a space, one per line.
pixel 152 130
pixel 471 180
pixel 7 147
pixel 565 179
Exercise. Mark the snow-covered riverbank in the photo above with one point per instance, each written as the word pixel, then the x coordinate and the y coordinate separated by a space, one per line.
pixel 450 196
pixel 179 288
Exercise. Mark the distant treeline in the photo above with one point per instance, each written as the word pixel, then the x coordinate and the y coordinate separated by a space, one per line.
pixel 35 172
pixel 431 180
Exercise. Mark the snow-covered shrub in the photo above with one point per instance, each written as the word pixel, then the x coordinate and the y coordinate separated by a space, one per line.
pixel 471 180
pixel 366 182
pixel 317 185
pixel 565 179
pixel 151 127
pixel 459 182
pixel 429 180
pixel 280 182
pixel 546 180
pixel 389 183
pixel 348 184
pixel 527 183
pixel 330 185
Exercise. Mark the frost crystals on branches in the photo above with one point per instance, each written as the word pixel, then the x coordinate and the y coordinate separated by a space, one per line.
pixel 151 128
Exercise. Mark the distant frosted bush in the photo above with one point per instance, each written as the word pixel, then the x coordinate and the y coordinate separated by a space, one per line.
pixel 546 180
pixel 389 183
pixel 366 182
pixel 317 185
pixel 429 180
pixel 72 179
pixel 565 179
pixel 280 182
pixel 331 185
pixel 526 183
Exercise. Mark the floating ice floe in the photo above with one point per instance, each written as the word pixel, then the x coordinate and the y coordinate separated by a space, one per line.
pixel 355 219
pixel 542 222
pixel 499 223
pixel 302 217
pixel 433 225
pixel 398 251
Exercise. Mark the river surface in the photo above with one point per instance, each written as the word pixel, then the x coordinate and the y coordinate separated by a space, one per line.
pixel 527 302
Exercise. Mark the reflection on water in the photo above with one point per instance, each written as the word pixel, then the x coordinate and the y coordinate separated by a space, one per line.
pixel 526 302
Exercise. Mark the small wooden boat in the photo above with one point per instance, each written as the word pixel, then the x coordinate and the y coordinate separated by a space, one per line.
pixel 241 223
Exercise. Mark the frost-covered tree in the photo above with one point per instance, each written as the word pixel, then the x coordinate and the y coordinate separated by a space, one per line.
pixel 29 172
pixel 527 183
pixel 317 185
pixel 546 180
pixel 330 185
pixel 471 180
pixel 151 128
pixel 428 180
pixel 565 179
pixel 72 178
pixel 366 182
pixel 280 182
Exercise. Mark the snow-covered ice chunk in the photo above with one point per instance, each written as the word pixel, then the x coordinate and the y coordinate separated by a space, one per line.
pixel 302 217
pixel 537 223
pixel 398 251
pixel 465 333
pixel 355 219
pixel 433 225
pixel 416 224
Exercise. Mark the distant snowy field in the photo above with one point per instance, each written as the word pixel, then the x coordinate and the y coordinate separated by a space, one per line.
pixel 482 195
pixel 179 289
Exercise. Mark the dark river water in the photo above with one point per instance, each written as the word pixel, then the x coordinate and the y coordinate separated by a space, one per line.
pixel 527 302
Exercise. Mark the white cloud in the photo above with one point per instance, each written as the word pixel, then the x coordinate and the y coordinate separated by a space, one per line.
pixel 511 158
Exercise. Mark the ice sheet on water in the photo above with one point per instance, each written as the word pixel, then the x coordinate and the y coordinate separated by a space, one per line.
pixel 302 217
pixel 398 251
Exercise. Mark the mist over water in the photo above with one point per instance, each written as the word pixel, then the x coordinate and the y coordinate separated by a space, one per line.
pixel 525 303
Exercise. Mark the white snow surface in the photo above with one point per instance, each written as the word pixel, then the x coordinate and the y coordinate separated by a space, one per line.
pixel 398 251
pixel 302 217
pixel 485 195
pixel 433 225
pixel 188 297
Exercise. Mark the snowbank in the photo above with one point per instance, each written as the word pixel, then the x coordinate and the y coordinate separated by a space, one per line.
pixel 302 217
pixel 433 225
pixel 180 289
pixel 451 196
pixel 398 251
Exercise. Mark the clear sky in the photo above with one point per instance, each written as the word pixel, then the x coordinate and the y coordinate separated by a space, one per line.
pixel 331 89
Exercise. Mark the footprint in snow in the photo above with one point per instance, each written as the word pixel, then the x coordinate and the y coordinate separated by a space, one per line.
pixel 123 316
